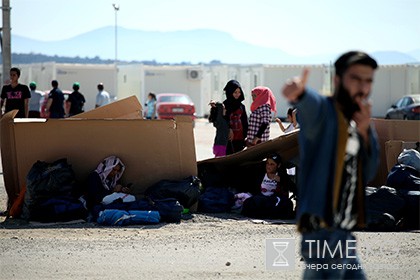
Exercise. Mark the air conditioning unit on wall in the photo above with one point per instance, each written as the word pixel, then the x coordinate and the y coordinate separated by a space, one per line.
pixel 194 74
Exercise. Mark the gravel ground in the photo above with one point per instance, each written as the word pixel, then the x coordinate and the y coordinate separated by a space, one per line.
pixel 225 246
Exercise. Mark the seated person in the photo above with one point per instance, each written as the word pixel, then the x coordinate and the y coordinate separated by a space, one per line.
pixel 105 180
pixel 272 200
pixel 291 118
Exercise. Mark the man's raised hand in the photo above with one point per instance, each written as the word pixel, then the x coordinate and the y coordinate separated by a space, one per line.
pixel 295 87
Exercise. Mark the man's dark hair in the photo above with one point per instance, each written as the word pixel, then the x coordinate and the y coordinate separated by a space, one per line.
pixel 54 83
pixel 100 86
pixel 15 69
pixel 352 58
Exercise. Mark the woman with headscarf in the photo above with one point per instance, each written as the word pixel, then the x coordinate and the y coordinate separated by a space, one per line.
pixel 235 116
pixel 263 103
pixel 105 180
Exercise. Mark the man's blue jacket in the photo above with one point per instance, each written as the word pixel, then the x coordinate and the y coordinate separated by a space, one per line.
pixel 322 141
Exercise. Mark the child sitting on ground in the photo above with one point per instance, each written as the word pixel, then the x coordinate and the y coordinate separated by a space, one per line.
pixel 273 200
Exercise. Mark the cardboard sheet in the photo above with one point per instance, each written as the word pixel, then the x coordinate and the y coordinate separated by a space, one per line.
pixel 151 149
pixel 241 170
pixel 402 130
pixel 127 108
pixel 287 147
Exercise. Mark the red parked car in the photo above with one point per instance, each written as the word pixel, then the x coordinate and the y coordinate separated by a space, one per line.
pixel 169 105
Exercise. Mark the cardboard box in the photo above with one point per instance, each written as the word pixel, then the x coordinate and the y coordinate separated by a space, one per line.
pixel 287 147
pixel 127 108
pixel 151 149
pixel 240 170
pixel 402 130
pixel 393 149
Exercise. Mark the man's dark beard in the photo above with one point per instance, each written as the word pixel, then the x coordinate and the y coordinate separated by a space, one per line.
pixel 347 104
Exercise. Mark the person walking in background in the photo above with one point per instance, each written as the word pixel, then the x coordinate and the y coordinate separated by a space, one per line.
pixel 263 103
pixel 291 118
pixel 339 154
pixel 37 97
pixel 150 113
pixel 102 98
pixel 236 117
pixel 76 101
pixel 55 103
pixel 217 117
pixel 15 96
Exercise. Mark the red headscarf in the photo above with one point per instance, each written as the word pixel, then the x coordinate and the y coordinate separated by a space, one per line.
pixel 264 96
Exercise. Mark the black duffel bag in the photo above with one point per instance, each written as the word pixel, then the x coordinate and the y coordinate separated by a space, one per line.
pixel 170 210
pixel 186 191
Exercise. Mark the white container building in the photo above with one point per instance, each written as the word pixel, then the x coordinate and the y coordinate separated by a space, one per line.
pixel 206 82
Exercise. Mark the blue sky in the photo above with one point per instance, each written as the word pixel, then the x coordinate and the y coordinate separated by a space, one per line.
pixel 300 27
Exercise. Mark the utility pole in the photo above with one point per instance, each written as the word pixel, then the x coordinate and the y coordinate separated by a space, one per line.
pixel 116 9
pixel 6 41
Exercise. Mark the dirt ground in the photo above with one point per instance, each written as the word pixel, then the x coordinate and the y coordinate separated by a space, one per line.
pixel 225 246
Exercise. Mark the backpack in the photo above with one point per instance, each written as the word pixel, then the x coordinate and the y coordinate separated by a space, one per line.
pixel 411 211
pixel 186 191
pixel 384 208
pixel 404 177
pixel 268 207
pixel 47 180
pixel 216 200
pixel 58 209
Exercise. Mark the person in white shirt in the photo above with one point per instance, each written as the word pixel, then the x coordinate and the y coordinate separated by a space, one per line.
pixel 102 98
pixel 291 118
pixel 271 200
pixel 35 102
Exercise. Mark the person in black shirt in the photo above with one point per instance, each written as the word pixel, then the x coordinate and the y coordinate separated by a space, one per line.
pixel 76 101
pixel 15 96
pixel 55 104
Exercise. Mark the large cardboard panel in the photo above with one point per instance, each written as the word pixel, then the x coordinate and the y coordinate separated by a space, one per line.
pixel 239 170
pixel 151 149
pixel 285 145
pixel 404 130
pixel 127 108
pixel 9 161
pixel 393 149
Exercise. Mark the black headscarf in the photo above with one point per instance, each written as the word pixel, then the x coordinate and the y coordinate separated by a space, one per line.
pixel 232 104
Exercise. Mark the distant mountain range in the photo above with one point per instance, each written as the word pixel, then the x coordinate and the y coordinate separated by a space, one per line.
pixel 194 46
